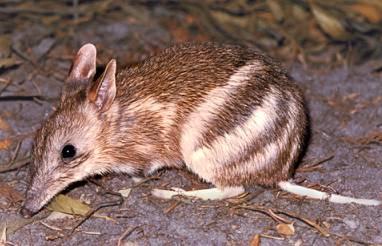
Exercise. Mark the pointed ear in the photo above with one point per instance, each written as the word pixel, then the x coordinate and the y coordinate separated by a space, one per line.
pixel 83 69
pixel 103 91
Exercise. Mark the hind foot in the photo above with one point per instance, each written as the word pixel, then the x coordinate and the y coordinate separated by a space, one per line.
pixel 205 194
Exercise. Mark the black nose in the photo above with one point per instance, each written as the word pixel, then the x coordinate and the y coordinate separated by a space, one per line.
pixel 26 213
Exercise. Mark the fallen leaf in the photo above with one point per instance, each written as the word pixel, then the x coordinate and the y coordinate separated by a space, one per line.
pixel 369 11
pixel 180 34
pixel 68 205
pixel 299 13
pixel 373 137
pixel 43 47
pixel 4 126
pixel 9 193
pixel 326 224
pixel 5 46
pixel 5 144
pixel 3 238
pixel 125 192
pixel 285 229
pixel 230 21
pixel 9 62
pixel 330 24
pixel 255 241
pixel 276 9
pixel 376 3
pixel 129 243
pixel 58 216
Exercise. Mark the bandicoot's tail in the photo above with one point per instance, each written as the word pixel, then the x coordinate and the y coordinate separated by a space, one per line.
pixel 315 194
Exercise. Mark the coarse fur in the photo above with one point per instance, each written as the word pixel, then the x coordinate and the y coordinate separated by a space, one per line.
pixel 228 114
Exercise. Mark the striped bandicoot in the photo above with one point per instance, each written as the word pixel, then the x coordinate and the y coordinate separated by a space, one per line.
pixel 228 114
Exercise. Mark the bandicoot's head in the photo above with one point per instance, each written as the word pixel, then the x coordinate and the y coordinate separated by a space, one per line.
pixel 68 147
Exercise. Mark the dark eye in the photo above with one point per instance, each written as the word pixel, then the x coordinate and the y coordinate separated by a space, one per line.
pixel 68 152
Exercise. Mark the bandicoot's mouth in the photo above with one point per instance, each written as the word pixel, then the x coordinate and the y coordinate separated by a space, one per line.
pixel 26 213
pixel 31 205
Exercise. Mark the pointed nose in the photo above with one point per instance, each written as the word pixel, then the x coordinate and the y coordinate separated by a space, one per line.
pixel 26 213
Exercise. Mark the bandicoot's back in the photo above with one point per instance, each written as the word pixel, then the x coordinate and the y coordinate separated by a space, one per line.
pixel 203 92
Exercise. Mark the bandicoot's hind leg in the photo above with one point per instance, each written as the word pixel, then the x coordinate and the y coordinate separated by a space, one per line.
pixel 205 194
pixel 204 163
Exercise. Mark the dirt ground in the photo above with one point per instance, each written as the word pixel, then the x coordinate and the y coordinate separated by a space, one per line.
pixel 344 152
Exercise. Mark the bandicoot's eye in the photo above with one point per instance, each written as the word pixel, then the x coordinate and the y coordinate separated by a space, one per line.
pixel 68 152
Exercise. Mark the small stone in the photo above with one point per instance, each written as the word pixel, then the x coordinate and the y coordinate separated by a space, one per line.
pixel 353 224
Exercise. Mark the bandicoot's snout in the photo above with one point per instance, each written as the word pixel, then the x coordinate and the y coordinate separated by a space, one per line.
pixel 29 207
pixel 36 197
pixel 26 213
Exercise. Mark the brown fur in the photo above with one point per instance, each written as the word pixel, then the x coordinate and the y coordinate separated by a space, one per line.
pixel 143 124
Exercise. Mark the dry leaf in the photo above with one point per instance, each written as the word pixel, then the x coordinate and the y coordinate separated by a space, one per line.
pixel 4 126
pixel 9 193
pixel 376 3
pixel 3 238
pixel 285 229
pixel 68 205
pixel 299 13
pixel 5 46
pixel 125 192
pixel 255 241
pixel 326 224
pixel 58 216
pixel 9 62
pixel 229 22
pixel 276 9
pixel 370 12
pixel 330 24
pixel 43 47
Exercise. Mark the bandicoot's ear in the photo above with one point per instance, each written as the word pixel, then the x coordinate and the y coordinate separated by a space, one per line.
pixel 102 92
pixel 83 69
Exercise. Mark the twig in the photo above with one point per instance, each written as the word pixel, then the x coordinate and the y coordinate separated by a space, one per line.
pixel 126 234
pixel 20 137
pixel 10 10
pixel 54 228
pixel 16 164
pixel 172 207
pixel 92 211
pixel 268 212
pixel 27 98
pixel 145 180
pixel 7 83
pixel 107 190
pixel 313 166
pixel 15 225
pixel 272 237
pixel 319 228
pixel 264 210
pixel 278 218
pixel 91 232
pixel 22 55
pixel 102 205
pixel 354 240
pixel 15 154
